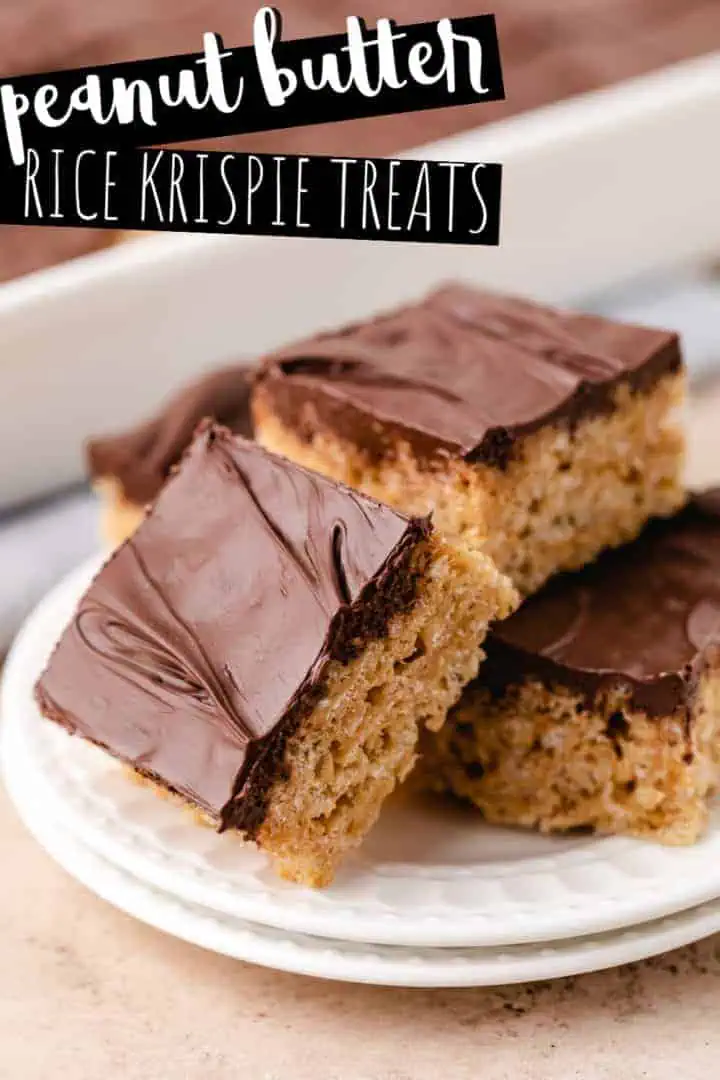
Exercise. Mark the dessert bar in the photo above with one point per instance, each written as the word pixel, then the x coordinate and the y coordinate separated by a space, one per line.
pixel 599 702
pixel 540 436
pixel 267 645
pixel 129 469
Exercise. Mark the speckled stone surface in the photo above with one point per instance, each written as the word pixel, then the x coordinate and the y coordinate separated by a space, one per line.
pixel 87 993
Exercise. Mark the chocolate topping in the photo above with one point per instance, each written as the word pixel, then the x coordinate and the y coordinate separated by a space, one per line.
pixel 206 638
pixel 141 459
pixel 642 617
pixel 462 373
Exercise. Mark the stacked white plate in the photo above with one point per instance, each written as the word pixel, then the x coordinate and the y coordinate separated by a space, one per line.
pixel 434 898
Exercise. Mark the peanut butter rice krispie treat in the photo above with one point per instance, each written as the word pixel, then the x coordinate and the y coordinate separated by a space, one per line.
pixel 129 469
pixel 267 646
pixel 599 702
pixel 540 436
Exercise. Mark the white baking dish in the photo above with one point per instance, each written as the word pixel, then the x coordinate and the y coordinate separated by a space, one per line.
pixel 598 190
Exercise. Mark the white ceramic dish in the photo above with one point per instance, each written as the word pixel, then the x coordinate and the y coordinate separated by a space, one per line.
pixel 598 190
pixel 347 961
pixel 426 876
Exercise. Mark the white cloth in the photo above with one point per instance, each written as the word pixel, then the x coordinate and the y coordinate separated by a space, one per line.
pixel 38 545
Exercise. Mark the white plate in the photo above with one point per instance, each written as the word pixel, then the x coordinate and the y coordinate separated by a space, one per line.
pixel 305 955
pixel 428 875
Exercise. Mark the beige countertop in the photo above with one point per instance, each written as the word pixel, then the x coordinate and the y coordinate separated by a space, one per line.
pixel 87 993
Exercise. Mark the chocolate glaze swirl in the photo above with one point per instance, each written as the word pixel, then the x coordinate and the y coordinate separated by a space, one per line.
pixel 463 372
pixel 141 459
pixel 645 617
pixel 206 637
